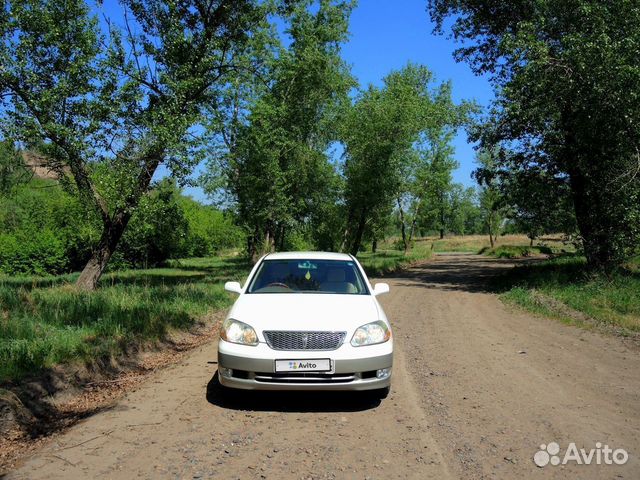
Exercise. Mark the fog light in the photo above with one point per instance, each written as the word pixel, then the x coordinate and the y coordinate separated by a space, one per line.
pixel 225 372
pixel 383 373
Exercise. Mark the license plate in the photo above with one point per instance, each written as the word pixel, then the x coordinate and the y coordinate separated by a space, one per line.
pixel 304 365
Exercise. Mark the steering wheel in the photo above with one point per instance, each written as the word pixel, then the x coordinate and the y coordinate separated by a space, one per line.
pixel 279 284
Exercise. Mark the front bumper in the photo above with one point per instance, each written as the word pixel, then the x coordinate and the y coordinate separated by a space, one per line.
pixel 354 368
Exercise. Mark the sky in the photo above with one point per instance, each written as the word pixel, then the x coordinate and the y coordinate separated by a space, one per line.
pixel 385 36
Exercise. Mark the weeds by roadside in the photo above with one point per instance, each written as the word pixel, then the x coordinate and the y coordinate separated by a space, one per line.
pixel 516 251
pixel 45 321
pixel 387 261
pixel 562 288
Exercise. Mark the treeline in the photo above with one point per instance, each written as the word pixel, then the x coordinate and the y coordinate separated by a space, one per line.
pixel 302 156
pixel 310 156
pixel 44 229
pixel 561 140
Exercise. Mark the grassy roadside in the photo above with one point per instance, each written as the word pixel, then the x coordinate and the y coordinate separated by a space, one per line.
pixel 516 251
pixel 507 246
pixel 45 321
pixel 386 261
pixel 560 288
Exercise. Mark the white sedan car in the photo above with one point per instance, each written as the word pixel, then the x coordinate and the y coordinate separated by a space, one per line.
pixel 306 321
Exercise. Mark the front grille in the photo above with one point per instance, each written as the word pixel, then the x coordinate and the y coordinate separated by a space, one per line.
pixel 293 340
pixel 305 378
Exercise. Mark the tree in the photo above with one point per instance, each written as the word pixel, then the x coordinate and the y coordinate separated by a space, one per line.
pixel 541 203
pixel 438 167
pixel 127 100
pixel 493 203
pixel 379 134
pixel 156 229
pixel 209 229
pixel 12 168
pixel 567 77
pixel 276 164
pixel 464 216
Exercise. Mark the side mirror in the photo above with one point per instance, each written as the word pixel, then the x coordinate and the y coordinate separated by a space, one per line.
pixel 233 287
pixel 380 288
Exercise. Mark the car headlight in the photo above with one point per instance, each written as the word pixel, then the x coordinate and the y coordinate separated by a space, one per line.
pixel 371 334
pixel 235 331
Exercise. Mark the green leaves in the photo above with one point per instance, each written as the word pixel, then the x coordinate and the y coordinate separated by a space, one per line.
pixel 121 95
pixel 566 77
pixel 276 165
pixel 381 133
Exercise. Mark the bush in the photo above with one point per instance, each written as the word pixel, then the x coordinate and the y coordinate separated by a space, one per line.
pixel 209 230
pixel 398 244
pixel 40 253
pixel 46 230
pixel 156 229
pixel 297 241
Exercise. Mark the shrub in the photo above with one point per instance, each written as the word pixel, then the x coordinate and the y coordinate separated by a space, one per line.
pixel 39 253
pixel 46 230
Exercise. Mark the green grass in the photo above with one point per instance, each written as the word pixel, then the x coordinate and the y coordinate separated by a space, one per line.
pixel 561 288
pixel 45 321
pixel 515 251
pixel 481 243
pixel 387 261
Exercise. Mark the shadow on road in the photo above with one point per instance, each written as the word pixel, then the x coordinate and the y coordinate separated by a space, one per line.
pixel 288 401
pixel 468 273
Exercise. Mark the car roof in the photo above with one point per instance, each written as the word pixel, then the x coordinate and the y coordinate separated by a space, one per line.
pixel 308 256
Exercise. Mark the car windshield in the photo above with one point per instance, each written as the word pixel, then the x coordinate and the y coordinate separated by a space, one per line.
pixel 308 276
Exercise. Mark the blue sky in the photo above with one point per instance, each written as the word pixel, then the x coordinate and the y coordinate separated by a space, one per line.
pixel 385 36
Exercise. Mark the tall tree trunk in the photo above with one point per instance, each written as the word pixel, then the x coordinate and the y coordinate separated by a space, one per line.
pixel 442 215
pixel 251 247
pixel 412 230
pixel 491 241
pixel 347 231
pixel 252 244
pixel 114 227
pixel 596 245
pixel 345 238
pixel 357 240
pixel 402 227
pixel 414 220
pixel 374 245
pixel 588 196
pixel 111 235
pixel 281 236
pixel 268 245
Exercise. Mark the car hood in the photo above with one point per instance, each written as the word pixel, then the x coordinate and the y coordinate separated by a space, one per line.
pixel 303 311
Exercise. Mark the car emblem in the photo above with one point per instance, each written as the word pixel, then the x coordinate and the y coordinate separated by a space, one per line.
pixel 305 340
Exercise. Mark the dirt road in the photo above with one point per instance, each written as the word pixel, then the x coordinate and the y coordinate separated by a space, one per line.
pixel 477 388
